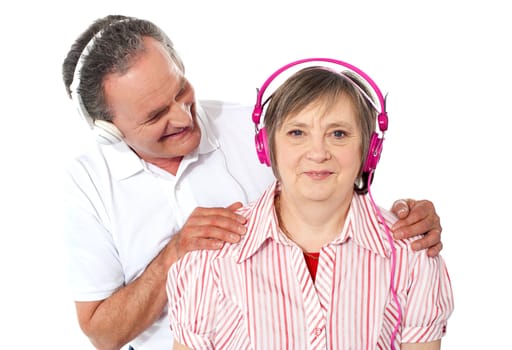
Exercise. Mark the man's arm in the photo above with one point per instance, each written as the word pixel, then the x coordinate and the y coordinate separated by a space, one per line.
pixel 416 218
pixel 113 322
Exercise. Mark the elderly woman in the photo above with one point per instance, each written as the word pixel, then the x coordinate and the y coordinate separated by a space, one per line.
pixel 317 268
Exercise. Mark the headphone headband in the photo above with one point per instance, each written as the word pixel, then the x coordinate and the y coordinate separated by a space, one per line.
pixel 105 132
pixel 382 118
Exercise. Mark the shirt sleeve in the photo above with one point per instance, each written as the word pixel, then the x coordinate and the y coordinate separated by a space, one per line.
pixel 429 300
pixel 93 266
pixel 192 297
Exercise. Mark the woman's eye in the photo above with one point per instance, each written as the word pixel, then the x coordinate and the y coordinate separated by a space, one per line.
pixel 295 132
pixel 338 133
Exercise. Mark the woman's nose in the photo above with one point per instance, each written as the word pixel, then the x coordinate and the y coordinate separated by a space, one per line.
pixel 318 151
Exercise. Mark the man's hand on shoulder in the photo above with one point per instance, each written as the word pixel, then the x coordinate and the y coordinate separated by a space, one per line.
pixel 417 217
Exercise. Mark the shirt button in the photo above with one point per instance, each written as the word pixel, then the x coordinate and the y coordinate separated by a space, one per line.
pixel 318 331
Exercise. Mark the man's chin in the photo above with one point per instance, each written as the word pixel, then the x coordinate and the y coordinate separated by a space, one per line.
pixel 184 146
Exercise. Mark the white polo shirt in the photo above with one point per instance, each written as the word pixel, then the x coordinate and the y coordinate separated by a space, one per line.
pixel 121 211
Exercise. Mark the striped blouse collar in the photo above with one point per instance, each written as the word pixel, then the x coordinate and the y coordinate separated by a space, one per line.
pixel 362 226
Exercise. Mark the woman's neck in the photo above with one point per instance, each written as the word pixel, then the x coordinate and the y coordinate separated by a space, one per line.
pixel 313 224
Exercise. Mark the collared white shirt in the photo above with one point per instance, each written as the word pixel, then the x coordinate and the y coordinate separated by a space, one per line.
pixel 121 211
pixel 258 294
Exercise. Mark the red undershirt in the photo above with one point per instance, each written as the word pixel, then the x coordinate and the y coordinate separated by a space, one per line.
pixel 312 263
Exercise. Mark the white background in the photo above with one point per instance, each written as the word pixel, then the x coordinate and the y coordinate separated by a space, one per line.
pixel 445 64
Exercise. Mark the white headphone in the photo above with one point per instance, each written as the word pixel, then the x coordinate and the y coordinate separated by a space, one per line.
pixel 105 132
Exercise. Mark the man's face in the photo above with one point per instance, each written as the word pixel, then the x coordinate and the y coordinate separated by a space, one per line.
pixel 153 105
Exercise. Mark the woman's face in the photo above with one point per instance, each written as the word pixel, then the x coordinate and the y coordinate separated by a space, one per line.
pixel 318 153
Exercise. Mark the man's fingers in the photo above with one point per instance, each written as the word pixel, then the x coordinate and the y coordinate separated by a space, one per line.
pixel 209 228
pixel 224 234
pixel 199 243
pixel 421 219
pixel 435 250
pixel 409 211
pixel 203 237
pixel 400 208
pixel 416 218
pixel 431 239
pixel 235 206
pixel 217 215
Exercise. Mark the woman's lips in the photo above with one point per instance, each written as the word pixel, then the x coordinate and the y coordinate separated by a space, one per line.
pixel 318 175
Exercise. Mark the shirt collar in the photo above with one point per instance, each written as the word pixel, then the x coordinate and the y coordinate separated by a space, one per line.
pixel 365 227
pixel 261 224
pixel 124 162
pixel 362 226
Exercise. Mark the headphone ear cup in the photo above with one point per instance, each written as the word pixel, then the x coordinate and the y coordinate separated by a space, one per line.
pixel 262 150
pixel 374 151
pixel 106 132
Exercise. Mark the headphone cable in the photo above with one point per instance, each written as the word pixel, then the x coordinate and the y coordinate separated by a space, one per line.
pixel 393 263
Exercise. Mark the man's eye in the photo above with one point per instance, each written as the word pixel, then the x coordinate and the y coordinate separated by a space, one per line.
pixel 156 116
pixel 181 92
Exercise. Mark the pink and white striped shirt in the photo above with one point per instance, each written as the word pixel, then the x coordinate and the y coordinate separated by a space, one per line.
pixel 258 294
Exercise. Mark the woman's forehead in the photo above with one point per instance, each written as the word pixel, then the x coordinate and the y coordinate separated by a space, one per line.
pixel 341 109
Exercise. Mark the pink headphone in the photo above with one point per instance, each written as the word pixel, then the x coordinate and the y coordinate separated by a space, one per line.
pixel 375 148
